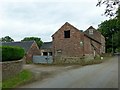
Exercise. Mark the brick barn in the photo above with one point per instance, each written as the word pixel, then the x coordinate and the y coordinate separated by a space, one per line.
pixel 31 48
pixel 71 43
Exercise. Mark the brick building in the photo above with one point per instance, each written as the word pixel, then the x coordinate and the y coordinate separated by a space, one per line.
pixel 70 42
pixel 46 49
pixel 31 48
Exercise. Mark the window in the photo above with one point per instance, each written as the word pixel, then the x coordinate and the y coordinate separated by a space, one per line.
pixel 91 31
pixel 59 52
pixel 67 34
pixel 45 53
pixel 53 38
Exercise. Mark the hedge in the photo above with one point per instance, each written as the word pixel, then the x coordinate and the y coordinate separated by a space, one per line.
pixel 11 53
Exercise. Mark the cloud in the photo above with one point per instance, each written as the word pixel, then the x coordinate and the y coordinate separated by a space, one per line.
pixel 23 18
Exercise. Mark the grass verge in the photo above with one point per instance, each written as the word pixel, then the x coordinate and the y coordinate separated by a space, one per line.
pixel 19 79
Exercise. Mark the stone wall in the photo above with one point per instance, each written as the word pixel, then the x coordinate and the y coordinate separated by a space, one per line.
pixel 69 60
pixel 74 60
pixel 11 68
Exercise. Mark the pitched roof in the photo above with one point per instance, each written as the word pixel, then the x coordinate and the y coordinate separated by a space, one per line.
pixel 92 38
pixel 91 27
pixel 67 24
pixel 46 45
pixel 86 33
pixel 24 44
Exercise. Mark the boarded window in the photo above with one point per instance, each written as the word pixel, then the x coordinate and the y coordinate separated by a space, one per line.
pixel 67 34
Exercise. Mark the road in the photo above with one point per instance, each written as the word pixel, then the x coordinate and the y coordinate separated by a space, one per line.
pixel 104 75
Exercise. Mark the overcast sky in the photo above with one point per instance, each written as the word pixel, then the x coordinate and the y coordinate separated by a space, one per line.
pixel 40 18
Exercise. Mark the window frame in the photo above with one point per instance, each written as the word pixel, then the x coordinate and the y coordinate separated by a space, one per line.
pixel 67 34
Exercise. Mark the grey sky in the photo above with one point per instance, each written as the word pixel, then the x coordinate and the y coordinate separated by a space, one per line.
pixel 40 18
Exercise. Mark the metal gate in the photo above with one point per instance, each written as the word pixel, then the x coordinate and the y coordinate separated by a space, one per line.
pixel 43 59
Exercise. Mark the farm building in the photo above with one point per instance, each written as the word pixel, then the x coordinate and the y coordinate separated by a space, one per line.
pixel 31 48
pixel 71 43
pixel 46 49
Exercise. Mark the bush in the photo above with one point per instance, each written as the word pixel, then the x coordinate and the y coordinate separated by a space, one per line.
pixel 11 53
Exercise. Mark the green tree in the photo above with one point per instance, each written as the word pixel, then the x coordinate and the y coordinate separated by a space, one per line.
pixel 6 39
pixel 110 30
pixel 36 39
pixel 118 27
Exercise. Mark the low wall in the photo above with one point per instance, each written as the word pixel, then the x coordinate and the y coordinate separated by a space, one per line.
pixel 73 60
pixel 68 60
pixel 88 57
pixel 11 68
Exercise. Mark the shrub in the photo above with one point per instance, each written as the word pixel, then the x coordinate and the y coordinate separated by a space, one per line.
pixel 11 53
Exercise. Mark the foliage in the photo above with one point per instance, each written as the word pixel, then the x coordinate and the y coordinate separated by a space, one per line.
pixel 118 49
pixel 38 40
pixel 6 39
pixel 111 30
pixel 20 78
pixel 11 53
pixel 111 6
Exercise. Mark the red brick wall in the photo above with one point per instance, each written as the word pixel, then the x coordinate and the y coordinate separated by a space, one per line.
pixel 87 46
pixel 34 50
pixel 70 47
pixel 97 36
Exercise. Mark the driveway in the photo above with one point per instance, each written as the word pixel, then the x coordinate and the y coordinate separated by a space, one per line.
pixel 104 75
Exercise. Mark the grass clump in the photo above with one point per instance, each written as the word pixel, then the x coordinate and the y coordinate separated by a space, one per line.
pixel 17 80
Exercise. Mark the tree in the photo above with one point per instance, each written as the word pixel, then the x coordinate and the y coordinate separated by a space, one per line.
pixel 118 27
pixel 6 39
pixel 36 39
pixel 111 6
pixel 111 28
pixel 111 31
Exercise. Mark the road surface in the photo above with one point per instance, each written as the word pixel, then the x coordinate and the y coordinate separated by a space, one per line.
pixel 104 75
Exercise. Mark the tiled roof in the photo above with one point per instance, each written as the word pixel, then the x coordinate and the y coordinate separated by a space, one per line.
pixel 24 44
pixel 46 45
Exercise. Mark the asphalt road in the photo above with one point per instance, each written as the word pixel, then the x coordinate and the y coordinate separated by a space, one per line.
pixel 104 75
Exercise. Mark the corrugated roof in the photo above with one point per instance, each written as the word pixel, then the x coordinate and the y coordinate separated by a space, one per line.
pixel 46 45
pixel 24 44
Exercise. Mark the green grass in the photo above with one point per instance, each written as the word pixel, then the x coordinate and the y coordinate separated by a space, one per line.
pixel 19 79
